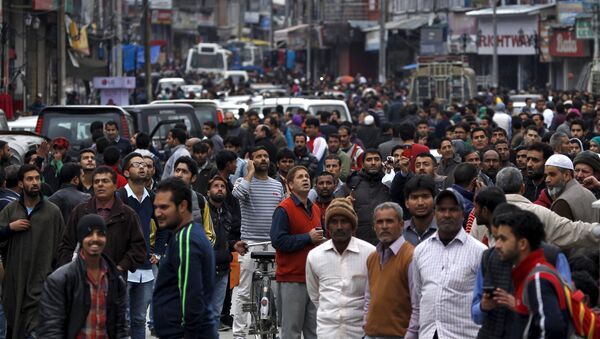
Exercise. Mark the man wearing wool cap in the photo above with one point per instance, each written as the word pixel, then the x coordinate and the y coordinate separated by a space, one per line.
pixel 569 198
pixel 336 274
pixel 587 171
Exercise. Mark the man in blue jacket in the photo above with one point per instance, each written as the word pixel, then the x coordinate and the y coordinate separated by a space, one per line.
pixel 186 277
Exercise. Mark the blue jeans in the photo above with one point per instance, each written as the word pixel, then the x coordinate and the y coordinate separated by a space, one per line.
pixel 2 323
pixel 140 296
pixel 219 295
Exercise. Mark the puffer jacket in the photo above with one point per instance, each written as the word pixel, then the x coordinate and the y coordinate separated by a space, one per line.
pixel 368 192
pixel 65 302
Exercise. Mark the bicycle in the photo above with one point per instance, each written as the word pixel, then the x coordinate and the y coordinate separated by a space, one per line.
pixel 262 306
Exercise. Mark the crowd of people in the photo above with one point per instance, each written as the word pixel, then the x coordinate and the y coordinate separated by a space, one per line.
pixel 469 221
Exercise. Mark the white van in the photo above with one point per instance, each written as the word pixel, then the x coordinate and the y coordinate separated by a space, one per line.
pixel 312 106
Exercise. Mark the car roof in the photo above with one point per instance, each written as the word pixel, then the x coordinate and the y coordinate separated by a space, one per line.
pixel 83 109
pixel 171 80
pixel 153 107
pixel 298 101
pixel 185 101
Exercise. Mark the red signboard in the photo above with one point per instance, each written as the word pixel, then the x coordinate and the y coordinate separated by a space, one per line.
pixel 43 5
pixel 563 43
pixel 161 16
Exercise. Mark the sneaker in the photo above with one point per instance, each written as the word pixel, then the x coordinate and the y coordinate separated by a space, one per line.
pixel 224 328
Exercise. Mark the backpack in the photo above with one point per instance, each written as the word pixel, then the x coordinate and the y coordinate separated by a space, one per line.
pixel 584 322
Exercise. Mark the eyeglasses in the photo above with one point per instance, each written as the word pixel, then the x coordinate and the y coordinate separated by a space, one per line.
pixel 138 164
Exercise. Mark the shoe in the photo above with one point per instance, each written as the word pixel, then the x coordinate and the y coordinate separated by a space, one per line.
pixel 224 328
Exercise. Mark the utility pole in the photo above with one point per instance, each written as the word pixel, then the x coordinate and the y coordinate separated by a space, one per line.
pixel 286 23
pixel 309 43
pixel 147 62
pixel 271 27
pixel 241 18
pixel 495 46
pixel 382 42
pixel 62 55
pixel 596 7
pixel 119 45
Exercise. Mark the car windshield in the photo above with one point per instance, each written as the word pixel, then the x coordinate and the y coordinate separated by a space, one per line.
pixel 74 127
pixel 205 113
pixel 207 60
pixel 153 119
pixel 314 109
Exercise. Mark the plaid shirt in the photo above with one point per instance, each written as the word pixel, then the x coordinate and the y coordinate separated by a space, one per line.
pixel 95 324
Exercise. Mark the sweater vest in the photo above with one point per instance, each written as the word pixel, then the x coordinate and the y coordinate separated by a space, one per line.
pixel 390 308
pixel 291 266
pixel 580 200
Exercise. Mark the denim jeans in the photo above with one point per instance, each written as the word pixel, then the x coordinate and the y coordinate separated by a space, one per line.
pixel 151 318
pixel 140 296
pixel 2 323
pixel 219 294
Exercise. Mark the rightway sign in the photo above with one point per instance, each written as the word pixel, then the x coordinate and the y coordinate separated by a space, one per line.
pixel 515 35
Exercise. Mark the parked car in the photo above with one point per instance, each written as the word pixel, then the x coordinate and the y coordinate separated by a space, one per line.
pixel 73 123
pixel 170 83
pixel 23 124
pixel 146 117
pixel 519 101
pixel 313 106
pixel 21 142
pixel 206 110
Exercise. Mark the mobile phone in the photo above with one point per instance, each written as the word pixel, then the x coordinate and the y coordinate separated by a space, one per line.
pixel 389 160
pixel 489 289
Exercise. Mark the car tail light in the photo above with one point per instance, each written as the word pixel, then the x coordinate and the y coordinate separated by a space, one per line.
pixel 38 125
pixel 125 127
pixel 220 116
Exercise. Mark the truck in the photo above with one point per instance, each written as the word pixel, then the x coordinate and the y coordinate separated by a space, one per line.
pixel 207 58
pixel 443 80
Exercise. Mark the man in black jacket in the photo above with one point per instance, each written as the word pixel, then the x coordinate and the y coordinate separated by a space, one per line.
pixel 68 196
pixel 75 295
pixel 225 241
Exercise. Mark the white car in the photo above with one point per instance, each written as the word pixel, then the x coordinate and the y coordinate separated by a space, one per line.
pixel 312 106
pixel 170 83
pixel 23 124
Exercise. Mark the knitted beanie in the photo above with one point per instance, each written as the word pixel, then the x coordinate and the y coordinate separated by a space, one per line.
pixel 343 207
pixel 88 223
pixel 589 158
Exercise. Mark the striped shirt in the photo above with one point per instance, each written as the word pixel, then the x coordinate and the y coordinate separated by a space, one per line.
pixel 444 278
pixel 258 200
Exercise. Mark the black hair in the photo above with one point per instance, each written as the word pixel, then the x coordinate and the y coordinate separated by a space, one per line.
pixel 300 134
pixel 101 144
pixel 200 147
pixel 105 169
pixel 142 140
pixel 312 122
pixel 69 171
pixel 223 157
pixel 524 225
pixel 111 123
pixel 191 164
pixel 371 151
pixel 407 132
pixel 128 158
pixel 334 157
pixel 581 262
pixel 464 174
pixel 420 181
pixel 11 173
pixel 266 129
pixel 583 281
pixel 3 143
pixel 26 168
pixel 233 140
pixel 209 143
pixel 111 155
pixel 96 125
pixel 427 155
pixel 86 150
pixel 179 134
pixel 490 197
pixel 395 148
pixel 542 147
pixel 97 134
pixel 256 149
pixel 210 124
pixel 500 129
pixel 285 153
pixel 478 129
pixel 323 174
pixel 179 191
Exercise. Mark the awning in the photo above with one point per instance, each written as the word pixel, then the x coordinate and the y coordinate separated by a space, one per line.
pixel 511 10
pixel 409 67
pixel 85 68
pixel 282 34
pixel 404 24
pixel 362 24
pixel 295 37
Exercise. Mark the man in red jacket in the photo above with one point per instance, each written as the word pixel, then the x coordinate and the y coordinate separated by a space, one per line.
pixel 295 230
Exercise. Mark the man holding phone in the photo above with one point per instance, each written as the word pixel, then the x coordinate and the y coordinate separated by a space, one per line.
pixel 295 230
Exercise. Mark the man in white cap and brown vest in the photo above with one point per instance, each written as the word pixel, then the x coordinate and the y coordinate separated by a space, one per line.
pixel 569 198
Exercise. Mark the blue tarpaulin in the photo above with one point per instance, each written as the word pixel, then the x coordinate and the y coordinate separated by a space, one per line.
pixel 129 56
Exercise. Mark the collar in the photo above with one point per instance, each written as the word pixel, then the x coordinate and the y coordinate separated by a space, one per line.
pixel 512 198
pixel 297 202
pixel 395 246
pixel 410 224
pixel 176 148
pixel 109 205
pixel 130 193
pixel 118 138
pixel 522 269
pixel 466 194
pixel 206 163
pixel 352 246
pixel 461 236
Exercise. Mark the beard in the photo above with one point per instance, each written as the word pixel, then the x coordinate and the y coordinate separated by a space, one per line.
pixel 556 191
pixel 31 194
pixel 217 197
pixel 535 175
pixel 491 173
